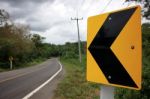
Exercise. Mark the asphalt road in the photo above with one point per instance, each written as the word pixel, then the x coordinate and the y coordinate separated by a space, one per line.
pixel 17 84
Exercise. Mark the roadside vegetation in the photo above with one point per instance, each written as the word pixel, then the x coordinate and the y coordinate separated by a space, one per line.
pixel 28 48
pixel 25 47
pixel 75 86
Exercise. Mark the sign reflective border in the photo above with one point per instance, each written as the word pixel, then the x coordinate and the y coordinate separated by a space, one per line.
pixel 114 48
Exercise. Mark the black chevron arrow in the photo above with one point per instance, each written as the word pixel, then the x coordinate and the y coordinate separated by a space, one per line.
pixel 111 67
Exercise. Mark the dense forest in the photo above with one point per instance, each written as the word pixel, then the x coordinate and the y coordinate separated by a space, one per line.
pixel 16 41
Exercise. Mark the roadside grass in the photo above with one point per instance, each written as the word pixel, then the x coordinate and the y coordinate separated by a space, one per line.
pixel 75 85
pixel 2 70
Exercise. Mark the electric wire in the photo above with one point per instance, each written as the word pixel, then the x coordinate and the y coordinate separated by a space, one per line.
pixel 106 6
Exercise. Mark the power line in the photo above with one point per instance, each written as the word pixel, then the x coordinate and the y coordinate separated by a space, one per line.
pixel 79 7
pixel 106 6
pixel 81 4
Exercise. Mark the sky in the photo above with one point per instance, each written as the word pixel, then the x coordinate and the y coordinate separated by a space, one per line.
pixel 52 18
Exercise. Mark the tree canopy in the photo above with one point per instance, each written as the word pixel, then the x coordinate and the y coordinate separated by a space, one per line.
pixel 146 3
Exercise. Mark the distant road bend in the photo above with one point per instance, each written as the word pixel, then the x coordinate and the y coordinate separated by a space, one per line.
pixel 36 82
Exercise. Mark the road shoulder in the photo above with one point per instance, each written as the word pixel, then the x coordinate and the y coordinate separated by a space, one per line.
pixel 48 91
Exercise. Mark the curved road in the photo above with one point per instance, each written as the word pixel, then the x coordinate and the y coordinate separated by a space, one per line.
pixel 17 84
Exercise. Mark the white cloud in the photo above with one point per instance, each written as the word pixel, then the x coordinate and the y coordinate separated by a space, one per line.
pixel 52 18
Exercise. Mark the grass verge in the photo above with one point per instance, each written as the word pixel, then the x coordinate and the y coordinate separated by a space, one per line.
pixel 74 85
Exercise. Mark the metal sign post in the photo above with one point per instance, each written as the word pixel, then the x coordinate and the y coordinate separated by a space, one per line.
pixel 106 92
pixel 10 64
pixel 10 59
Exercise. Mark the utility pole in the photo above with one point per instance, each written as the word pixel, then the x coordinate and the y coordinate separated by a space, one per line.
pixel 79 46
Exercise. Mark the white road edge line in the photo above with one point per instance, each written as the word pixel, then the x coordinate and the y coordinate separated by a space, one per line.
pixel 46 82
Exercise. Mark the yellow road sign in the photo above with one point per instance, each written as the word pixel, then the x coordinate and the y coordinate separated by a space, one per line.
pixel 10 58
pixel 114 48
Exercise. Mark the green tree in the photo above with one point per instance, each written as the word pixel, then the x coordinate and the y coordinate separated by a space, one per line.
pixel 15 41
pixel 146 4
pixel 37 39
pixel 38 42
